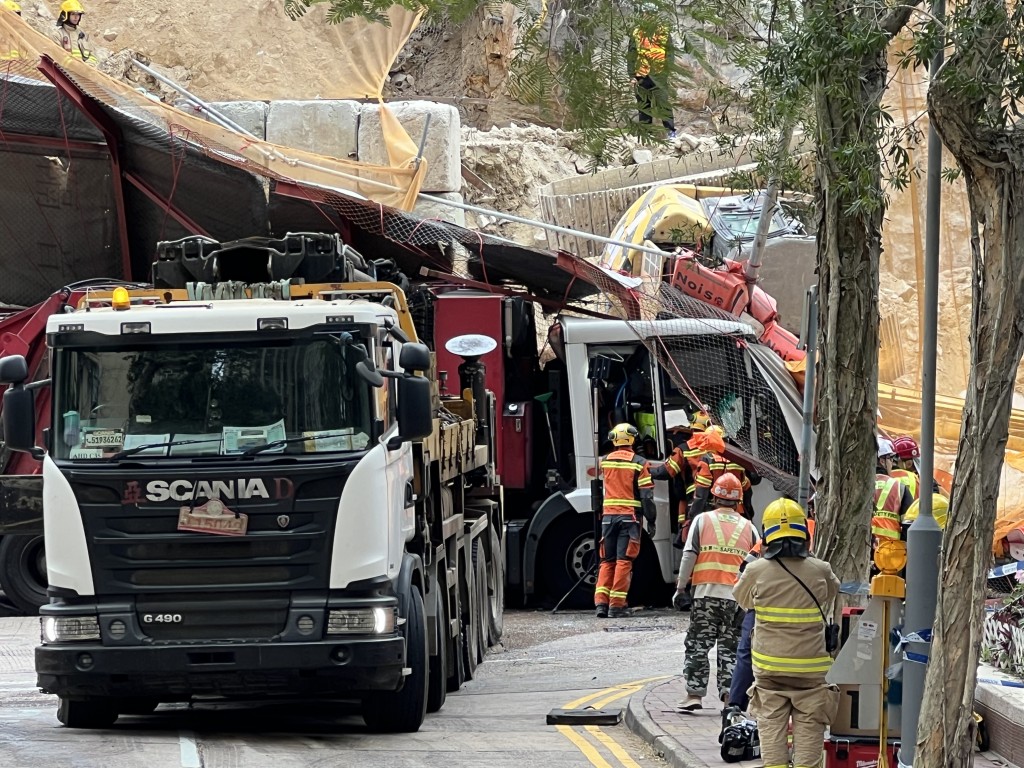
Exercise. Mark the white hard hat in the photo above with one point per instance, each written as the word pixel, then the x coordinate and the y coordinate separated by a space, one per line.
pixel 885 448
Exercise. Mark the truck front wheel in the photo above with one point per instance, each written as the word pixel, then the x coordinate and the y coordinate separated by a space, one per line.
pixel 86 713
pixel 567 561
pixel 23 572
pixel 403 711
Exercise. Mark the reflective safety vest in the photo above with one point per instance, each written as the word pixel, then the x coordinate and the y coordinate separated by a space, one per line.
pixel 885 522
pixel 909 479
pixel 650 51
pixel 710 467
pixel 725 540
pixel 625 475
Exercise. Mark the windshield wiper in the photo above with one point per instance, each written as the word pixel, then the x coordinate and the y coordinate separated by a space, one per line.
pixel 289 440
pixel 174 443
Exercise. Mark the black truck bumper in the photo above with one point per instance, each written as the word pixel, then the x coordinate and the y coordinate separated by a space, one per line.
pixel 338 667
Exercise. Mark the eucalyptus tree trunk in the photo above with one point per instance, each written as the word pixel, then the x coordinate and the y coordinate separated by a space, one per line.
pixel 991 158
pixel 848 56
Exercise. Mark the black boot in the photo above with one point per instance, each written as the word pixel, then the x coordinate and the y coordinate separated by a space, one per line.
pixel 601 612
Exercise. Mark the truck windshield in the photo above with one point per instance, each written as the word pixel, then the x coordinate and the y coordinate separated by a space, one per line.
pixel 295 396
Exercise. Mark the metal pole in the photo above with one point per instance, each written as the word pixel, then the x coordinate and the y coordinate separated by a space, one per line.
pixel 807 432
pixel 218 118
pixel 771 195
pixel 924 539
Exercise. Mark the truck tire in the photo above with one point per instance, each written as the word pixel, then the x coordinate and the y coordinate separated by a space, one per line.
pixel 482 601
pixel 86 713
pixel 470 632
pixel 23 572
pixel 403 711
pixel 437 690
pixel 495 591
pixel 567 552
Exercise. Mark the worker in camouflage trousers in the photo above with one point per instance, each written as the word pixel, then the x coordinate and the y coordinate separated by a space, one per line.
pixel 628 489
pixel 718 542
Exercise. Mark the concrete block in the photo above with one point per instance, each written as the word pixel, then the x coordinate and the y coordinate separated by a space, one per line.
pixel 442 149
pixel 428 209
pixel 250 115
pixel 328 128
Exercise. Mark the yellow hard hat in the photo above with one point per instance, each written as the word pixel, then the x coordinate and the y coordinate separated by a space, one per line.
pixel 623 434
pixel 10 5
pixel 784 519
pixel 700 420
pixel 71 6
pixel 940 510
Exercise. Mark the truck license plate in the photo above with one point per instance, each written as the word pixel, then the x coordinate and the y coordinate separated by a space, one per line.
pixel 213 517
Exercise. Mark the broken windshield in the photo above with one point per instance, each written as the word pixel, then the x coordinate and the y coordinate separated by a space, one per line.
pixel 295 396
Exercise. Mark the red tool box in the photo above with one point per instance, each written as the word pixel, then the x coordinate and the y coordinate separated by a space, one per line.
pixel 844 752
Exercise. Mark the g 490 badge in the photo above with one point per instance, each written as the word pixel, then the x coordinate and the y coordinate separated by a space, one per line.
pixel 213 517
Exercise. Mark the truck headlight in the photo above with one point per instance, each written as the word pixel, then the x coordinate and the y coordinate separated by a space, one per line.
pixel 361 621
pixel 69 629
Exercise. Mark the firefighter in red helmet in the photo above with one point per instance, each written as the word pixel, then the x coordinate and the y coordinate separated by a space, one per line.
pixel 717 543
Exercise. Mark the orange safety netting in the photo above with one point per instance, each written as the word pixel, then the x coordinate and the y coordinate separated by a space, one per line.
pixel 397 185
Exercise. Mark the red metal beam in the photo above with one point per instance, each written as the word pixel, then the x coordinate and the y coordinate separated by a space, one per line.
pixel 167 206
pixel 92 111
pixel 50 142
pixel 466 282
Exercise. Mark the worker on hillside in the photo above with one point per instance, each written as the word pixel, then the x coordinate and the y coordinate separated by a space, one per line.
pixel 628 489
pixel 786 589
pixel 67 34
pixel 9 53
pixel 892 498
pixel 743 673
pixel 905 469
pixel 718 542
pixel 651 55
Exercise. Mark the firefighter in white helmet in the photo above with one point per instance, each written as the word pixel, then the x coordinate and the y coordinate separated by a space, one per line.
pixel 788 589
pixel 68 35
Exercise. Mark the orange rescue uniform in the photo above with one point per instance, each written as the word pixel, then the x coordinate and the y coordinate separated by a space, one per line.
pixel 627 482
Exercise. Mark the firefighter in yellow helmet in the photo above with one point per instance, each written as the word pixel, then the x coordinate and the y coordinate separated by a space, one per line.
pixel 68 35
pixel 940 510
pixel 788 589
pixel 628 490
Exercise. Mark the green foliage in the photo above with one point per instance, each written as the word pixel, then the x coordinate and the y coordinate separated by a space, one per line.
pixel 987 77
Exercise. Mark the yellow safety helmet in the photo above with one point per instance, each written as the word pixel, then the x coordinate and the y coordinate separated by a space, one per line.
pixel 623 434
pixel 71 6
pixel 700 421
pixel 784 519
pixel 940 510
pixel 10 5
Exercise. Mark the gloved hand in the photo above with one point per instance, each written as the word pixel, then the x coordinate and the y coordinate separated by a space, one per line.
pixel 681 600
pixel 651 528
pixel 677 540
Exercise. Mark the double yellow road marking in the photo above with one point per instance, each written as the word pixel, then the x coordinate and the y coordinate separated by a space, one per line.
pixel 599 700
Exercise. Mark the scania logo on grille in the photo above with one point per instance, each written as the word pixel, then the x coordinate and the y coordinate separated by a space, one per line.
pixel 283 520
pixel 189 490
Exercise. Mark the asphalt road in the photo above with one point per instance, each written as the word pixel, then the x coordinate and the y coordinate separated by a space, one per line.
pixel 496 720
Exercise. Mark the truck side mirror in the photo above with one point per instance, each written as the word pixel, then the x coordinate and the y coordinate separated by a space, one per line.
pixel 13 369
pixel 415 418
pixel 20 420
pixel 414 357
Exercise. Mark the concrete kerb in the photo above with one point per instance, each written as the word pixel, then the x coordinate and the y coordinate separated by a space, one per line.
pixel 640 722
